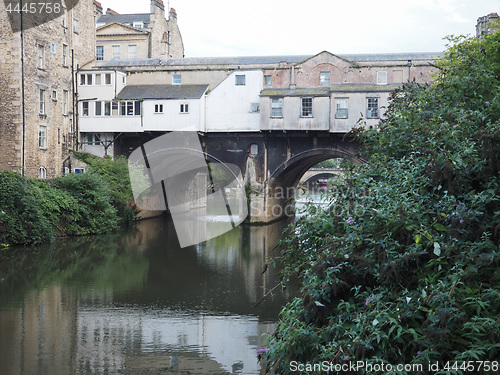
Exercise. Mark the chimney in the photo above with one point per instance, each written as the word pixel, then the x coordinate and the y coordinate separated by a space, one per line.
pixel 98 9
pixel 110 11
pixel 157 4
pixel 172 14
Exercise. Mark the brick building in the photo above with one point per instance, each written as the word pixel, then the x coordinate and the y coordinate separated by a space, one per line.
pixel 37 113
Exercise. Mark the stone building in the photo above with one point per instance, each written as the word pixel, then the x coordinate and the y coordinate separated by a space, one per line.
pixel 38 105
pixel 142 35
pixel 483 25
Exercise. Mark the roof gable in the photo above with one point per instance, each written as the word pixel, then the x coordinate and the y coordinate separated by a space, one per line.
pixel 115 28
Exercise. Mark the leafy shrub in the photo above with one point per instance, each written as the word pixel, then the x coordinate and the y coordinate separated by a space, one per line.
pixel 403 266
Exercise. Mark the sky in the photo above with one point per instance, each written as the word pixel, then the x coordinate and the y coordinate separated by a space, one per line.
pixel 290 27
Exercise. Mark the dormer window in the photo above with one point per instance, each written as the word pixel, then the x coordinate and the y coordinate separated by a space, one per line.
pixel 138 25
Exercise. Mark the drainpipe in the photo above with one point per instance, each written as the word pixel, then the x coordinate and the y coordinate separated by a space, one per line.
pixel 75 100
pixel 22 91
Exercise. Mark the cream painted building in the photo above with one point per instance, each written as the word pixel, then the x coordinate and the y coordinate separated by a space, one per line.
pixel 138 36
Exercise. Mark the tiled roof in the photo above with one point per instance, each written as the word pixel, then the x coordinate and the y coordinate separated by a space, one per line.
pixel 162 92
pixel 392 56
pixel 327 90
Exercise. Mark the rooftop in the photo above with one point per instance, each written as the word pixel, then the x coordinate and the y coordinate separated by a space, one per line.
pixel 162 92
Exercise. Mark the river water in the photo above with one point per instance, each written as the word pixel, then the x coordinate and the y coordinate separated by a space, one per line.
pixel 134 302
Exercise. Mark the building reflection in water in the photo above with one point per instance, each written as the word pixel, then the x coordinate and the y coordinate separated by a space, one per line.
pixel 135 303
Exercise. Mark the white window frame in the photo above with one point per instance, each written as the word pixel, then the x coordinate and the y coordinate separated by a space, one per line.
pixel 184 108
pixel 116 52
pixel 41 56
pixel 42 101
pixel 107 78
pixel 64 18
pixel 42 137
pixel 372 108
pixel 85 108
pixel 65 54
pixel 75 26
pixel 341 108
pixel 306 106
pixel 176 79
pixel 324 78
pixel 65 102
pixel 382 77
pixel 99 53
pixel 158 108
pixel 42 173
pixel 54 95
pixel 138 25
pixel 277 107
pixel 132 51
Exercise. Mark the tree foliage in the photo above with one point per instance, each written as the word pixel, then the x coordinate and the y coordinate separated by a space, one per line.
pixel 403 266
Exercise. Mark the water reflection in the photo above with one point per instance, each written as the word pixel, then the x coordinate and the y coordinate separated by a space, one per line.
pixel 135 303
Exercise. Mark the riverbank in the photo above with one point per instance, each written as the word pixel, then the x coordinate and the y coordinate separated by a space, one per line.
pixel 35 211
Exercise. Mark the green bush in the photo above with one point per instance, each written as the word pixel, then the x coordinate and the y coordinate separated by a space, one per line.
pixel 403 266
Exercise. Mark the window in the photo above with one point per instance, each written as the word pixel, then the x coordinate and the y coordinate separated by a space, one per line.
pixel 138 25
pixel 267 81
pixel 65 55
pixel 176 79
pixel 372 110
pixel 98 109
pixel 42 136
pixel 75 26
pixel 107 108
pixel 42 173
pixel 41 56
pixel 341 107
pixel 99 53
pixel 107 79
pixel 184 108
pixel 53 48
pixel 158 108
pixel 85 79
pixel 64 18
pixel 65 102
pixel 382 77
pixel 240 80
pixel 92 139
pixel 85 108
pixel 324 78
pixel 132 51
pixel 307 107
pixel 54 95
pixel 254 149
pixel 114 108
pixel 42 101
pixel 277 107
pixel 98 79
pixel 116 52
pixel 128 108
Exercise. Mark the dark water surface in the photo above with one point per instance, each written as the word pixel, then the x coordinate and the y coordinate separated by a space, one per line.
pixel 133 302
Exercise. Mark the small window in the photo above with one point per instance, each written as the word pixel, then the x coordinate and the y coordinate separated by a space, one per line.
pixel 116 52
pixel 382 77
pixel 107 108
pixel 132 51
pixel 99 52
pixel 184 108
pixel 83 79
pixel 324 78
pixel 75 26
pixel 176 79
pixel 307 109
pixel 65 55
pixel 89 79
pixel 240 80
pixel 85 108
pixel 42 136
pixel 53 48
pixel 63 21
pixel 158 108
pixel 372 108
pixel 42 173
pixel 138 25
pixel 98 79
pixel 277 107
pixel 114 109
pixel 107 79
pixel 54 95
pixel 267 80
pixel 341 108
pixel 41 56
pixel 42 101
pixel 254 149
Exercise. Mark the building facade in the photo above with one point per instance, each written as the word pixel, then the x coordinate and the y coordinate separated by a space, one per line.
pixel 37 114
pixel 141 35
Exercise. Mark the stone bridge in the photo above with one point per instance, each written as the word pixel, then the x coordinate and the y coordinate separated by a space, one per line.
pixel 272 163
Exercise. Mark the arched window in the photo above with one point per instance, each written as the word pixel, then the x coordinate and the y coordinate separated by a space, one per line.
pixel 42 173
